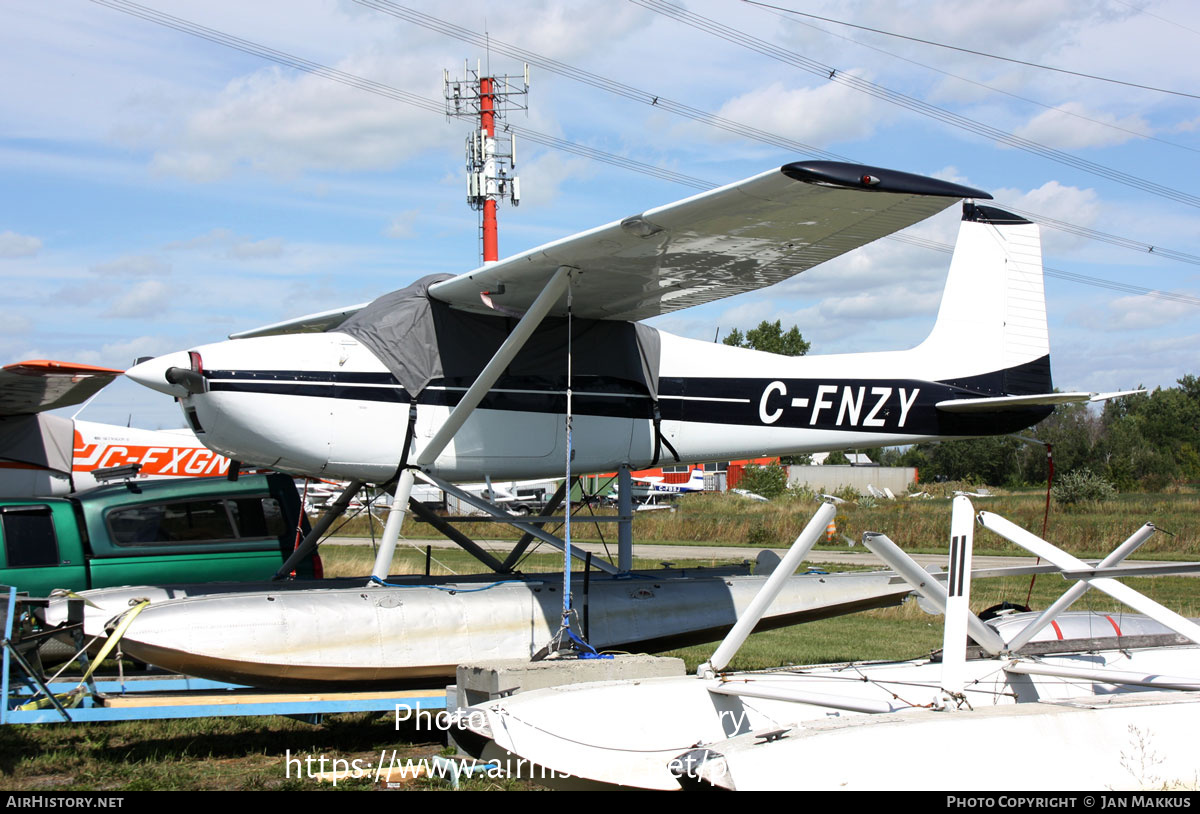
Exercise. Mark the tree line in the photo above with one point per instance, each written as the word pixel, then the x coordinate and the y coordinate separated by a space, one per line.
pixel 1143 441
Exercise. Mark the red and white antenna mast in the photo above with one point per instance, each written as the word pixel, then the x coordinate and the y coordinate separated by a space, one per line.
pixel 491 165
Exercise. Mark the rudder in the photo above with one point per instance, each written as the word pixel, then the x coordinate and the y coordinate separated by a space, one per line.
pixel 992 317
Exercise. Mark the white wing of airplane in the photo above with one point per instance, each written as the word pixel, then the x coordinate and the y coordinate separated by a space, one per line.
pixel 738 238
pixel 310 323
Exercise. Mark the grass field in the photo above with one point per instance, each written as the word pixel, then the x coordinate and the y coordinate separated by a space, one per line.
pixel 917 525
pixel 252 753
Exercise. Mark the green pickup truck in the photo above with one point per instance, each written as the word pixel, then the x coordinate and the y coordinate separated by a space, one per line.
pixel 152 533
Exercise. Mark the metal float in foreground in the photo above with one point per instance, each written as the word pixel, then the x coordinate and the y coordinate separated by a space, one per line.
pixel 382 635
pixel 1089 701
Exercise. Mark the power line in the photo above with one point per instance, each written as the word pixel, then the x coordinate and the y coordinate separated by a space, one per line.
pixel 970 51
pixel 562 69
pixel 603 83
pixel 609 158
pixel 1071 276
pixel 387 91
pixel 1104 237
pixel 354 81
pixel 1142 10
pixel 280 57
pixel 916 105
pixel 986 86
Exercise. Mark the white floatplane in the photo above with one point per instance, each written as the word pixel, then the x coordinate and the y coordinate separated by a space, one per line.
pixel 462 378
pixel 1083 700
pixel 511 370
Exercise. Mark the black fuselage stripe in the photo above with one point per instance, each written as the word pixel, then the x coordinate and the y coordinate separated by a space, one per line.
pixel 878 406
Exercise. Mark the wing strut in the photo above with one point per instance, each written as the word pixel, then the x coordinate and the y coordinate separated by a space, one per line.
pixel 529 528
pixel 928 586
pixel 1117 590
pixel 318 531
pixel 766 594
pixel 479 388
pixel 1077 590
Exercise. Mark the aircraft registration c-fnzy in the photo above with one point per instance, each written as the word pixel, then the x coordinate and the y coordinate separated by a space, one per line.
pixel 466 377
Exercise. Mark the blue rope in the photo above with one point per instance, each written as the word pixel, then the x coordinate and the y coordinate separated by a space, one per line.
pixel 444 588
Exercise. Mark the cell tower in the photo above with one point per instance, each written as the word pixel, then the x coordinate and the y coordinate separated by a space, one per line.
pixel 490 167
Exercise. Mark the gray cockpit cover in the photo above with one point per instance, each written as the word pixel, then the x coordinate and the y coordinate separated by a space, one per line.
pixel 420 339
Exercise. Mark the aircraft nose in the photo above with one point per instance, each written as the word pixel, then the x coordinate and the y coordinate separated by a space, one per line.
pixel 152 373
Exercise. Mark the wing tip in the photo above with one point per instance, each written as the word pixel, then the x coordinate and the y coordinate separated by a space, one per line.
pixel 45 367
pixel 876 179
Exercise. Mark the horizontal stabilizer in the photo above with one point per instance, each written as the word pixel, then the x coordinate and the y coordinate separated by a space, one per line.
pixel 41 384
pixel 1001 403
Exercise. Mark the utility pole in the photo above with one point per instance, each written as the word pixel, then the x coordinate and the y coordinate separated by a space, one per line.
pixel 491 163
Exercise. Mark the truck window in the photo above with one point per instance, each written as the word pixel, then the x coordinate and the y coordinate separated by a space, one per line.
pixel 197 521
pixel 184 522
pixel 257 517
pixel 29 538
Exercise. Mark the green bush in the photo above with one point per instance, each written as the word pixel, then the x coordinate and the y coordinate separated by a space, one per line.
pixel 1081 486
pixel 768 481
pixel 802 492
pixel 847 493
pixel 759 534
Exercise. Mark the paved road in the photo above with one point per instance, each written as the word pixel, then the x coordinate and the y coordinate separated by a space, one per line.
pixel 733 554
pixel 675 553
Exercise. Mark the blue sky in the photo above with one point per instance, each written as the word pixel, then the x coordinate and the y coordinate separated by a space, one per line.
pixel 162 191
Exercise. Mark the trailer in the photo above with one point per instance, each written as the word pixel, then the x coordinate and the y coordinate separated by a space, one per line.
pixel 31 698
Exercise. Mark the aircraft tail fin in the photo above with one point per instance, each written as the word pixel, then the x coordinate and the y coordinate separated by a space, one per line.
pixel 993 313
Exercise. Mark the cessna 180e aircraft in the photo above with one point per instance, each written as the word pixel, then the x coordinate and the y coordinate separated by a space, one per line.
pixel 462 377
pixel 335 394
pixel 500 371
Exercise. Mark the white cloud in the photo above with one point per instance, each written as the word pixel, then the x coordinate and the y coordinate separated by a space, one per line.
pixel 1064 131
pixel 895 302
pixel 1139 312
pixel 122 354
pixel 543 176
pixel 1153 362
pixel 145 300
pixel 285 125
pixel 252 249
pixel 140 265
pixel 15 245
pixel 12 324
pixel 401 226
pixel 1188 126
pixel 827 113
pixel 1079 207
pixel 206 240
pixel 238 247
